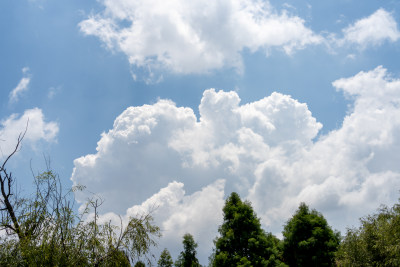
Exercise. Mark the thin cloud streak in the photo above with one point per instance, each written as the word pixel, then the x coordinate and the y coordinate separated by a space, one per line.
pixel 22 86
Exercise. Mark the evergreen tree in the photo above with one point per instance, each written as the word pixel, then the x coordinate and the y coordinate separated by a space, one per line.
pixel 309 240
pixel 242 241
pixel 187 257
pixel 165 259
pixel 140 264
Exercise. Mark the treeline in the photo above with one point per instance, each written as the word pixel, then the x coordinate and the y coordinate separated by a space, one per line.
pixel 43 230
pixel 308 240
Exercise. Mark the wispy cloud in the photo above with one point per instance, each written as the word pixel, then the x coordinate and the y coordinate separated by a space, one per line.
pixel 53 91
pixel 22 86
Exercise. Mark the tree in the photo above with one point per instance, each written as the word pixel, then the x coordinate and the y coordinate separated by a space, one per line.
pixel 375 242
pixel 187 257
pixel 242 241
pixel 43 230
pixel 165 259
pixel 309 240
pixel 140 264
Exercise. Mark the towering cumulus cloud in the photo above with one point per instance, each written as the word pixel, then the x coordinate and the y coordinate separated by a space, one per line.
pixel 195 36
pixel 267 151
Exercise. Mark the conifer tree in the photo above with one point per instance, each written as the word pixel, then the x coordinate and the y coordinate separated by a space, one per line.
pixel 165 259
pixel 187 257
pixel 309 240
pixel 140 264
pixel 242 241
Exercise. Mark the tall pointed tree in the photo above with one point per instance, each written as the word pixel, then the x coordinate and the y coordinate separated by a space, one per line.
pixel 165 259
pixel 187 257
pixel 242 241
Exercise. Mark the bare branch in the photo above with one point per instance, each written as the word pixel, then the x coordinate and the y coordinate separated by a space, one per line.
pixel 6 183
pixel 17 146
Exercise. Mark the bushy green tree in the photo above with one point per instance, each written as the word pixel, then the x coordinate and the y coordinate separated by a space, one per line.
pixel 43 230
pixel 375 243
pixel 187 258
pixel 242 241
pixel 165 259
pixel 309 240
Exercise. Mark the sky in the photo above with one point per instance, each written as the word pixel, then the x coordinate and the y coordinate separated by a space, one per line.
pixel 172 105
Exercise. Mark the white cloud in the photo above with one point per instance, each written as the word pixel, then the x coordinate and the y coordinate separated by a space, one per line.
pixel 179 214
pixel 152 145
pixel 195 36
pixel 265 150
pixel 178 147
pixel 199 214
pixel 22 86
pixel 187 37
pixel 372 30
pixel 38 129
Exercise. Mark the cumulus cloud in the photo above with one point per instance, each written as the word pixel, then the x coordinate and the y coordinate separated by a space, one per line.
pixel 22 86
pixel 372 30
pixel 265 150
pixel 152 145
pixel 181 214
pixel 38 129
pixel 186 149
pixel 353 168
pixel 195 36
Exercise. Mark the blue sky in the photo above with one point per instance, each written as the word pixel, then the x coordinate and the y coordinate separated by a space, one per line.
pixel 104 84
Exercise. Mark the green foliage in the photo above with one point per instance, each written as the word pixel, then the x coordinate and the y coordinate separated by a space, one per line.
pixel 309 240
pixel 51 234
pixel 187 257
pixel 242 242
pixel 375 242
pixel 46 231
pixel 140 264
pixel 165 259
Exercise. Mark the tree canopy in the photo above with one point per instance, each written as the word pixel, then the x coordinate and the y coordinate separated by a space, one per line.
pixel 187 258
pixel 309 240
pixel 140 264
pixel 375 242
pixel 165 259
pixel 42 229
pixel 242 241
